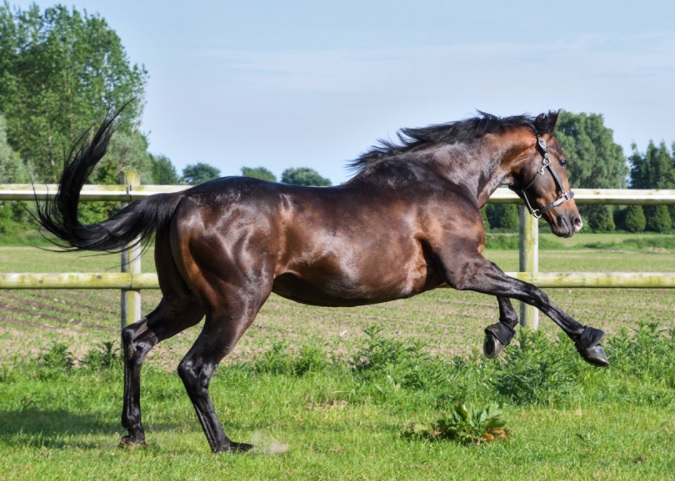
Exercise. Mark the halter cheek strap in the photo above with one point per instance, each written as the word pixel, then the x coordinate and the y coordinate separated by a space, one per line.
pixel 546 166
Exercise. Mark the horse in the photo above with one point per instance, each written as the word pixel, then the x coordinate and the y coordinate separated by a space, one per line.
pixel 409 220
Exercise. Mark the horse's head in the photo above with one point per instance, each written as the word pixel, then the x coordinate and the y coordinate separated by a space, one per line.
pixel 543 183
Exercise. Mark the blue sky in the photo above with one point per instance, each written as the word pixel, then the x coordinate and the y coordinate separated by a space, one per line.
pixel 297 83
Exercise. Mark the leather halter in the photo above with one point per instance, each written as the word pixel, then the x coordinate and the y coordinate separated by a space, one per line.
pixel 546 166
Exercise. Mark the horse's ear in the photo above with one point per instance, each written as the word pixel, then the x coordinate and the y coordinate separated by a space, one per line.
pixel 545 123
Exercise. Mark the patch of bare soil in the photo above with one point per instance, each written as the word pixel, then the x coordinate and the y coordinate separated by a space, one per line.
pixel 448 322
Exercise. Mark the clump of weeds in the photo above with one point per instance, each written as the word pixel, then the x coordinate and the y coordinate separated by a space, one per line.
pixel 466 424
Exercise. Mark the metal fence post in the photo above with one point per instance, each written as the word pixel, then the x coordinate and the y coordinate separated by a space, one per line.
pixel 528 246
pixel 131 262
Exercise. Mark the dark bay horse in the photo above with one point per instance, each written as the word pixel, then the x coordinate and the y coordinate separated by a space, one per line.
pixel 407 222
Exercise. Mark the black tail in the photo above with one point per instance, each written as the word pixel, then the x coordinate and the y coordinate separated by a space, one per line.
pixel 132 224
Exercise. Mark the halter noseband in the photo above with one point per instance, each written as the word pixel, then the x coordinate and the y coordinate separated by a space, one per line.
pixel 546 165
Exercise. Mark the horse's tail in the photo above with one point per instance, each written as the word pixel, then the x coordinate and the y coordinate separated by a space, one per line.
pixel 132 224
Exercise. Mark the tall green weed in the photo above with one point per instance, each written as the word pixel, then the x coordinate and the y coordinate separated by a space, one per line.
pixel 647 354
pixel 540 370
pixel 536 370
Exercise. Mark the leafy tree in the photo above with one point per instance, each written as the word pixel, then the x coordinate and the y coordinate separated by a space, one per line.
pixel 634 220
pixel 200 172
pixel 503 216
pixel 163 171
pixel 262 173
pixel 61 72
pixel 304 176
pixel 655 169
pixel 600 218
pixel 659 219
pixel 12 170
pixel 595 161
pixel 128 151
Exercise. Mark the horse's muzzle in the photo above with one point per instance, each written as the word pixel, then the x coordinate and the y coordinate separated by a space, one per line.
pixel 567 226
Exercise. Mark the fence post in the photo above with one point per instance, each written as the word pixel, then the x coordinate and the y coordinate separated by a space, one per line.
pixel 528 246
pixel 131 262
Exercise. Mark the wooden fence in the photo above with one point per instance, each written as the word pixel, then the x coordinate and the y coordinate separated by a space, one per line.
pixel 131 280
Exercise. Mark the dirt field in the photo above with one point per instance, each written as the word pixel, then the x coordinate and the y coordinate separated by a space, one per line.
pixel 449 322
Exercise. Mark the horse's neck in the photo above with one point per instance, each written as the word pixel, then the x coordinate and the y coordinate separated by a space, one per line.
pixel 483 167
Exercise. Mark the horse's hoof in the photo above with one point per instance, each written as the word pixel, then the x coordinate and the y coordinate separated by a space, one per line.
pixel 492 347
pixel 594 355
pixel 129 442
pixel 233 447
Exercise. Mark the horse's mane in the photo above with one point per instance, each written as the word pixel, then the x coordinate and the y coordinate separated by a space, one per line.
pixel 452 133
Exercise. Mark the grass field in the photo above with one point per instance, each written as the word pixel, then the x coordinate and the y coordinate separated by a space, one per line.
pixel 294 386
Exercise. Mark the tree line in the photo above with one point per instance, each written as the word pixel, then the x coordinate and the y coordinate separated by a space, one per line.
pixel 62 70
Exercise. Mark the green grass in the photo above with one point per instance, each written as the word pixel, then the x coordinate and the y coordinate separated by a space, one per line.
pixel 587 240
pixel 339 421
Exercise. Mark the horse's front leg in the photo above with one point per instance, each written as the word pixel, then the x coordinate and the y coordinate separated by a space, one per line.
pixel 478 274
pixel 500 335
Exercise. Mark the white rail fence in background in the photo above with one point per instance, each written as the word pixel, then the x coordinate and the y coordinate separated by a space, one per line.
pixel 131 280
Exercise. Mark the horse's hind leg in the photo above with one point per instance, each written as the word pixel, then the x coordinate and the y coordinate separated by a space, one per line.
pixel 167 320
pixel 222 329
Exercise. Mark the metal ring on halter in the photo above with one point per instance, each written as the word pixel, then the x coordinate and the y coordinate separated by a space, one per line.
pixel 546 165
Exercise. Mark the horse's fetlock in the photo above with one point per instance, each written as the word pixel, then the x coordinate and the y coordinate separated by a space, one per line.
pixel 503 332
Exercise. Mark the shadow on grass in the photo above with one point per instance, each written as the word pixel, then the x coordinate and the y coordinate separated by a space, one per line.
pixel 59 429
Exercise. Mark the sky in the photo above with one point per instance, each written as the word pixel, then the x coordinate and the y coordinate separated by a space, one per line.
pixel 284 84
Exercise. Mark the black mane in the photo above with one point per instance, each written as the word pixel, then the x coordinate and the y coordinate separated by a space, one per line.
pixel 452 133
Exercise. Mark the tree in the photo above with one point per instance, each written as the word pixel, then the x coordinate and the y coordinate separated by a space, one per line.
pixel 200 172
pixel 503 216
pixel 655 169
pixel 600 218
pixel 659 219
pixel 262 173
pixel 595 161
pixel 129 151
pixel 634 220
pixel 12 170
pixel 61 72
pixel 304 176
pixel 163 171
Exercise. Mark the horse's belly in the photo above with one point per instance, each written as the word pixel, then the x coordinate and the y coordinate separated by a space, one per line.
pixel 338 289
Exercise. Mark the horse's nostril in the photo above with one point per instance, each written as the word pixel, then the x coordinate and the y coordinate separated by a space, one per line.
pixel 577 223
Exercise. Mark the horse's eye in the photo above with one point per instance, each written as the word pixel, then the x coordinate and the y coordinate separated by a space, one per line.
pixel 562 162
